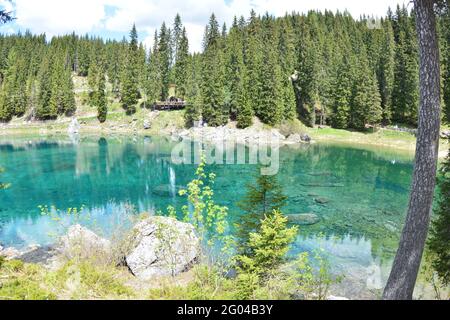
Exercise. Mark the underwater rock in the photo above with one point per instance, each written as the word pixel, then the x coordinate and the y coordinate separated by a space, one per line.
pixel 304 219
pixel 167 190
pixel 322 200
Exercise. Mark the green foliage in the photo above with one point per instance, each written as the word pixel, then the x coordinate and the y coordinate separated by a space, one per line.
pixel 89 281
pixel 440 231
pixel 130 76
pixel 19 282
pixel 269 245
pixel 261 200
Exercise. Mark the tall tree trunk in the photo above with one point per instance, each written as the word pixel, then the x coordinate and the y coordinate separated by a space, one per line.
pixel 406 266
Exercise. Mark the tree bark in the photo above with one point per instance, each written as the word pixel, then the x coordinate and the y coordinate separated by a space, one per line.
pixel 406 266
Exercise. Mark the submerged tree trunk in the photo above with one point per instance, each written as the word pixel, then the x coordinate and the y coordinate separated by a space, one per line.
pixel 406 266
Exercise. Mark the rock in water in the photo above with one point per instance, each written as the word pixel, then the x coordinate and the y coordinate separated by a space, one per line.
pixel 167 190
pixel 74 127
pixel 162 247
pixel 322 200
pixel 83 244
pixel 303 219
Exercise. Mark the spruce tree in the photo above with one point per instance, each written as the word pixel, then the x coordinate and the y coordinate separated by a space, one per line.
pixel 164 61
pixel 181 64
pixel 270 110
pixel 262 198
pixel 130 77
pixel 286 52
pixel 212 83
pixel 102 101
pixel 366 102
pixel 343 95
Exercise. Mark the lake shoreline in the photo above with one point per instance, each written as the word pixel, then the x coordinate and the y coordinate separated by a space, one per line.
pixel 384 138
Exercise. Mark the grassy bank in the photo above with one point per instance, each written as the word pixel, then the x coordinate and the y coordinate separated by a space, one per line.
pixel 165 123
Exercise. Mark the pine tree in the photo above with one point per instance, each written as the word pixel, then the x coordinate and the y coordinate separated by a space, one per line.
pixel 193 94
pixel 286 52
pixel 43 110
pixel 343 96
pixel 270 110
pixel 385 71
pixel 164 61
pixel 154 84
pixel 366 102
pixel 405 96
pixel 181 64
pixel 212 82
pixel 261 199
pixel 102 101
pixel 234 65
pixel 130 78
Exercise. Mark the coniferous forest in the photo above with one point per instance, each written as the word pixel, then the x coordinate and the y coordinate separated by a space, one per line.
pixel 324 68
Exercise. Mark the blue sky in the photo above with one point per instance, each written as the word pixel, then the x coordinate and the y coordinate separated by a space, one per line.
pixel 113 18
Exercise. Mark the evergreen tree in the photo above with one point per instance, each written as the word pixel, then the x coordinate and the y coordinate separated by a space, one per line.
pixel 385 70
pixel 130 77
pixel 193 94
pixel 286 51
pixel 343 95
pixel 181 64
pixel 261 199
pixel 164 53
pixel 212 82
pixel 366 102
pixel 102 101
pixel 405 96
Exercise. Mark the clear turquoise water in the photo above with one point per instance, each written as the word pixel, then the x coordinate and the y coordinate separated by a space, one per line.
pixel 367 191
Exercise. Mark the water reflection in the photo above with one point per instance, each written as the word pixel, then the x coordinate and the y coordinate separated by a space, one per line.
pixel 363 193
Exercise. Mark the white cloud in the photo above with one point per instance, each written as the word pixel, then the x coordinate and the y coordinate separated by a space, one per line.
pixel 58 17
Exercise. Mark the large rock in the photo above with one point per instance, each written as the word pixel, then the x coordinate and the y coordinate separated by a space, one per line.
pixel 10 253
pixel 147 125
pixel 162 247
pixel 83 244
pixel 304 219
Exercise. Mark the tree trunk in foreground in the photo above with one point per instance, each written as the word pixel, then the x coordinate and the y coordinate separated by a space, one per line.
pixel 406 266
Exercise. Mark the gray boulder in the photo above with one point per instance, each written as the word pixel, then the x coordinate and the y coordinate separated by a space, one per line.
pixel 83 244
pixel 305 138
pixel 147 125
pixel 294 138
pixel 162 247
pixel 303 219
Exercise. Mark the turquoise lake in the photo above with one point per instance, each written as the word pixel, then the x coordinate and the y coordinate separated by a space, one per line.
pixel 366 191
